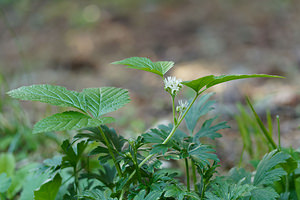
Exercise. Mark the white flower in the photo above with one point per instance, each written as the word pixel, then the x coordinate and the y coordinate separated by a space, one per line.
pixel 172 85
pixel 182 105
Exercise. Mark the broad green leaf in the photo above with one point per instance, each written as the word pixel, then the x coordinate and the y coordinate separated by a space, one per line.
pixel 32 182
pixel 48 190
pixel 211 80
pixel 146 64
pixel 70 120
pixel 5 182
pixel 7 164
pixel 51 94
pixel 265 173
pixel 106 99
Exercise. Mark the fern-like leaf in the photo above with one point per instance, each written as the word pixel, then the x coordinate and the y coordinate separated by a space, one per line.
pixel 266 174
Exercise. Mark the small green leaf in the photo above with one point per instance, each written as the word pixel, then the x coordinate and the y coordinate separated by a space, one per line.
pixel 48 190
pixel 52 94
pixel 106 99
pixel 146 64
pixel 5 183
pixel 70 120
pixel 211 80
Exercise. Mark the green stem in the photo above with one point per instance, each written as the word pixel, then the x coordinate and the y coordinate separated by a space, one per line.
pixel 174 110
pixel 194 176
pixel 122 194
pixel 111 152
pixel 278 126
pixel 76 179
pixel 172 132
pixel 170 135
pixel 187 174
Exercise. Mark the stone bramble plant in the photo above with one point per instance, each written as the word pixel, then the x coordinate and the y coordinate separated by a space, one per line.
pixel 131 168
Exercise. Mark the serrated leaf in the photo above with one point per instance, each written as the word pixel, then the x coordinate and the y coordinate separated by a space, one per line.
pixel 265 173
pixel 52 94
pixel 48 190
pixel 70 120
pixel 264 194
pixel 159 148
pixel 202 154
pixel 146 64
pixel 5 182
pixel 211 80
pixel 106 99
pixel 198 109
pixel 207 130
pixel 96 194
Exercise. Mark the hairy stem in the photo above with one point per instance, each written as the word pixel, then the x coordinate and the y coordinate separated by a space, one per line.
pixel 187 174
pixel 111 152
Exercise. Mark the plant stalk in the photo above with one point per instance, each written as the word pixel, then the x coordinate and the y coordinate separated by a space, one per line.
pixel 278 127
pixel 187 174
pixel 111 152
pixel 194 176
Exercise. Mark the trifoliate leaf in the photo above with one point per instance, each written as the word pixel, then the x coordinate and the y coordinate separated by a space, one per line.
pixel 48 190
pixel 146 64
pixel 52 94
pixel 70 120
pixel 106 99
pixel 211 80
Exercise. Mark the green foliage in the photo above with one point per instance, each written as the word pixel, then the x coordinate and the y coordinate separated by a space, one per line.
pixel 211 80
pixel 5 182
pixel 48 190
pixel 98 163
pixel 70 120
pixel 146 64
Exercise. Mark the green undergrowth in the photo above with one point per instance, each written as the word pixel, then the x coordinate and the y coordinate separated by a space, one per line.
pixel 99 163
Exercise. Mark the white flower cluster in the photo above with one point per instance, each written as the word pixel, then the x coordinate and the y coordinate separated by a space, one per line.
pixel 172 85
pixel 182 106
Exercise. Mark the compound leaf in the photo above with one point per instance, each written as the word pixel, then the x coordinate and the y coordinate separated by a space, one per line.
pixel 51 94
pixel 198 109
pixel 70 120
pixel 106 99
pixel 211 80
pixel 265 173
pixel 146 64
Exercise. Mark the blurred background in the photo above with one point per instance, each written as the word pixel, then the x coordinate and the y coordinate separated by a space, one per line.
pixel 72 43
